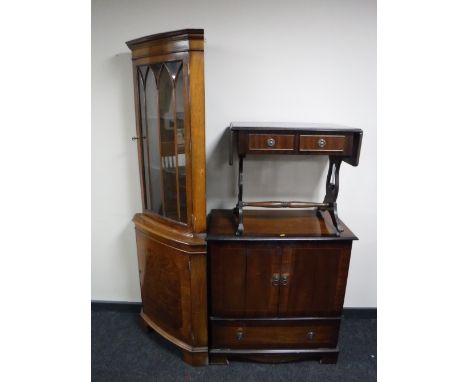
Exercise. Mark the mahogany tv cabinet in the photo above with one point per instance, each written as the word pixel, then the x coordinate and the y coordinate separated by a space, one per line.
pixel 276 292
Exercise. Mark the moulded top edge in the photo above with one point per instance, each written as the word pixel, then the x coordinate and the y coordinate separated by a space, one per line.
pixel 290 125
pixel 175 35
pixel 280 239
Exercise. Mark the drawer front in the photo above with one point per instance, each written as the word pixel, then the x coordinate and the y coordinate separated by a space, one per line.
pixel 271 142
pixel 274 334
pixel 339 144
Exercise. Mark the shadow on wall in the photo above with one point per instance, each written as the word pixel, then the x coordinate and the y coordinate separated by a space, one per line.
pixel 221 179
pixel 266 177
pixel 121 65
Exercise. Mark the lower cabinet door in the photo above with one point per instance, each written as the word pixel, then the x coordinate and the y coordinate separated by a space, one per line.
pixel 165 286
pixel 274 334
pixel 244 280
pixel 313 279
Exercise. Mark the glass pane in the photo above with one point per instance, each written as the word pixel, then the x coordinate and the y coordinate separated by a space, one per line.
pixel 173 68
pixel 142 73
pixel 161 90
pixel 179 98
pixel 168 145
pixel 151 143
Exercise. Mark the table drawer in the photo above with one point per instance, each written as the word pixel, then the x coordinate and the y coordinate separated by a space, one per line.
pixel 271 142
pixel 263 334
pixel 339 144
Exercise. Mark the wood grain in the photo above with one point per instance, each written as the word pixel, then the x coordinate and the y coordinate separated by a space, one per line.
pixel 264 334
pixel 281 225
pixel 333 144
pixel 172 251
pixel 276 298
pixel 259 142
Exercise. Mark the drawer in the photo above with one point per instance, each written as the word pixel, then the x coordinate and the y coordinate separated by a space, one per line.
pixel 270 334
pixel 271 142
pixel 339 144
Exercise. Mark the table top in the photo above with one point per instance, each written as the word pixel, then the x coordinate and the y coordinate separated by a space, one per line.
pixel 269 126
pixel 284 225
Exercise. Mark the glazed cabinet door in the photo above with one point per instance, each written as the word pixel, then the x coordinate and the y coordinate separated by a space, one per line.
pixel 161 99
pixel 244 280
pixel 313 279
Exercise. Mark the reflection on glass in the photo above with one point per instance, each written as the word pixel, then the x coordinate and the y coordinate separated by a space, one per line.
pixel 179 98
pixel 162 123
pixel 167 136
pixel 152 142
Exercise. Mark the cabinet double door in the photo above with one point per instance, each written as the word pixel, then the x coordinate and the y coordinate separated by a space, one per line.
pixel 278 279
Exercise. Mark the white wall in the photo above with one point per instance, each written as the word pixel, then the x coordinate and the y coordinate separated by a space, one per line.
pixel 302 61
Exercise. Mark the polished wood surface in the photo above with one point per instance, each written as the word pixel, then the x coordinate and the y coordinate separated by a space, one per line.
pixel 241 280
pixel 326 144
pixel 303 139
pixel 173 291
pixel 279 279
pixel 271 142
pixel 197 141
pixel 274 224
pixel 265 334
pixel 171 244
pixel 169 42
pixel 313 267
pixel 276 293
pixel 309 126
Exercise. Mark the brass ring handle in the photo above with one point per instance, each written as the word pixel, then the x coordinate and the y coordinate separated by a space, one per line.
pixel 322 143
pixel 271 142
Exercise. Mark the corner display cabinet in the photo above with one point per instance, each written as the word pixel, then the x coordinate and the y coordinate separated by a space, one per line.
pixel 168 75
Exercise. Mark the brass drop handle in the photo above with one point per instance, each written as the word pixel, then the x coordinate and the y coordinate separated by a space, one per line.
pixel 310 335
pixel 275 279
pixel 322 143
pixel 239 334
pixel 284 279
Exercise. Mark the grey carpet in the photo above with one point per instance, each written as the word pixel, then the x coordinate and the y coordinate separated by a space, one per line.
pixel 122 351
